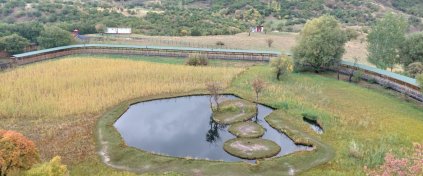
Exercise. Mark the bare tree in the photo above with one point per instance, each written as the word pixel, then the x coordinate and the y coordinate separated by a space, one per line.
pixel 214 89
pixel 269 42
pixel 258 86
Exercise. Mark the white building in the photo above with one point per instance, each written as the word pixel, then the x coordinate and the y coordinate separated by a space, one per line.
pixel 111 30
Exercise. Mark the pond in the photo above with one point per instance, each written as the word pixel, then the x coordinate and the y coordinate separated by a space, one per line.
pixel 183 127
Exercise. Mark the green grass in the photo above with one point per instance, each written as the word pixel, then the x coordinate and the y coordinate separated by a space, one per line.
pixel 377 122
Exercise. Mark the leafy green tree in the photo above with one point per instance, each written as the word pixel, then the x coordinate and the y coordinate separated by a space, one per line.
pixel 281 66
pixel 321 43
pixel 54 36
pixel 29 31
pixel 13 44
pixel 385 39
pixel 412 49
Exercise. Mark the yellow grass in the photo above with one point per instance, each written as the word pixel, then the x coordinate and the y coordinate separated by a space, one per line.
pixel 83 86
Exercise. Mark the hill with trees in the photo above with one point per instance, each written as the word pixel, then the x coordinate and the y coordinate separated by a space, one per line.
pixel 198 17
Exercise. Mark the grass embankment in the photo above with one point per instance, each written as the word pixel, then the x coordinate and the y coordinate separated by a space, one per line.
pixel 56 103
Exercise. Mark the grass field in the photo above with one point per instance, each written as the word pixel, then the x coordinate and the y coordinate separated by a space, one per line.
pixel 57 104
pixel 257 41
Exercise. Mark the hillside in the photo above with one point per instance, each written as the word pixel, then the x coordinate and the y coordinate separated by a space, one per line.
pixel 200 17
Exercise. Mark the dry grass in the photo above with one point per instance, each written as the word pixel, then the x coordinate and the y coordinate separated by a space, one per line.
pixel 257 41
pixel 55 103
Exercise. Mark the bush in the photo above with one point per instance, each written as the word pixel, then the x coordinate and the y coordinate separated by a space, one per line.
pixel 16 152
pixel 415 69
pixel 220 43
pixel 392 165
pixel 197 60
pixel 52 168
pixel 357 76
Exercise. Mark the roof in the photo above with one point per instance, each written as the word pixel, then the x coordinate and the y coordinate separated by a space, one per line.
pixel 142 46
pixel 384 72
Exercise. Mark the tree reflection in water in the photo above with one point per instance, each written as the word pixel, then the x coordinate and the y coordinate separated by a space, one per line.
pixel 212 135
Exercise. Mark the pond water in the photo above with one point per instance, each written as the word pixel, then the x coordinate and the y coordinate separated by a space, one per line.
pixel 314 125
pixel 183 127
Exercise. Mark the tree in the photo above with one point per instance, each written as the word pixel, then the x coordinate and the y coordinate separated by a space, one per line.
pixel 415 69
pixel 412 49
pixel 54 36
pixel 99 28
pixel 385 39
pixel 51 168
pixel 29 31
pixel 269 42
pixel 258 86
pixel 13 44
pixel 321 43
pixel 214 89
pixel 16 152
pixel 282 66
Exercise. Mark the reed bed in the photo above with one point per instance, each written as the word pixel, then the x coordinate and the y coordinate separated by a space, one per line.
pixel 88 85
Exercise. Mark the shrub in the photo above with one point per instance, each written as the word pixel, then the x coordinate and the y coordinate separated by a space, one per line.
pixel 52 168
pixel 415 69
pixel 220 43
pixel 354 150
pixel 357 76
pixel 197 60
pixel 371 80
pixel 195 32
pixel 16 152
pixel 400 166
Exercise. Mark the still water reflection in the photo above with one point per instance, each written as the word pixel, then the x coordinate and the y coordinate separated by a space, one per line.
pixel 183 127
